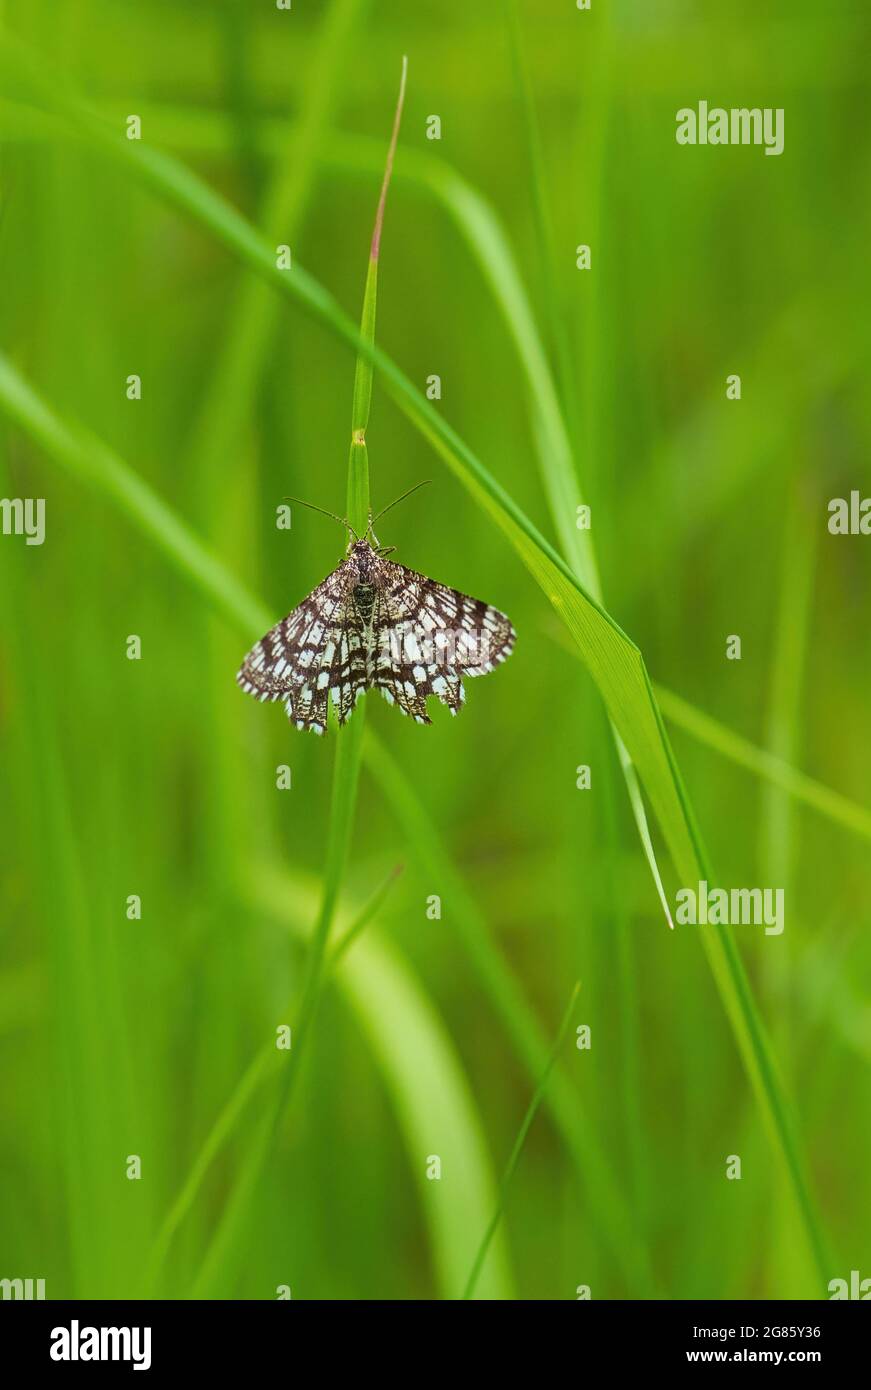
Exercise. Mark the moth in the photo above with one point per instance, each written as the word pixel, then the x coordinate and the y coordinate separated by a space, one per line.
pixel 375 625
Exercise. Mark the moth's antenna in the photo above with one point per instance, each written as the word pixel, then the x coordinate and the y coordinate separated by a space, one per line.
pixel 343 521
pixel 401 498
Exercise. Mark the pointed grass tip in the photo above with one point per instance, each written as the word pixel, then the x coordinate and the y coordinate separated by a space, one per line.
pixel 388 168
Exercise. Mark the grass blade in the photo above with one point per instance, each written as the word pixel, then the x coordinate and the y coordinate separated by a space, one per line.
pixel 348 750
pixel 358 463
pixel 764 765
pixel 427 1086
pixel 609 1211
pixel 517 1149
pixel 233 381
pixel 249 1083
pixel 349 744
pixel 365 916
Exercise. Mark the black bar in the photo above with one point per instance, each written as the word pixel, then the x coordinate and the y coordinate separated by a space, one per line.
pixel 226 1337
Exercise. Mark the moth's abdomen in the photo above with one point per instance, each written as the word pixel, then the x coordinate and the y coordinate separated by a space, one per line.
pixel 364 601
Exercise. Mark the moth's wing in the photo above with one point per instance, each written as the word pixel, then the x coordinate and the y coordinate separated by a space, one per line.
pixel 402 680
pixel 338 674
pixel 312 655
pixel 483 636
pixel 343 674
pixel 428 637
pixel 278 660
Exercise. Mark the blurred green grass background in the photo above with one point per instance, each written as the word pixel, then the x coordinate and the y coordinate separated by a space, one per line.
pixel 157 777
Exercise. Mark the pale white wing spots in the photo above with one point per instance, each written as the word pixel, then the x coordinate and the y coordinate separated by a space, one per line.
pixel 372 623
pixel 286 664
pixel 429 636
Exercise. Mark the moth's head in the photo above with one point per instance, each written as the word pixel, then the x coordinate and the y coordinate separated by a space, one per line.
pixel 364 549
pixel 368 543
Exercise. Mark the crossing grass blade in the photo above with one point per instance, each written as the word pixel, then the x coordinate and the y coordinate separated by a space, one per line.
pixel 609 1210
pixel 517 1148
pixel 395 1016
pixel 767 766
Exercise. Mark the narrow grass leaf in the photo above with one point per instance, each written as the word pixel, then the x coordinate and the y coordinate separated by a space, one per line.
pixel 517 1149
pixel 764 765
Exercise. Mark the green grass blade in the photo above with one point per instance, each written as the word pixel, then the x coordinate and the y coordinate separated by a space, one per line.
pixel 428 1088
pixel 436 1106
pixel 223 1127
pixel 239 361
pixel 364 916
pixel 551 409
pixel 608 1209
pixel 349 745
pixel 255 1074
pixel 346 775
pixel 90 461
pixel 540 207
pixel 347 765
pixel 778 828
pixel 517 1148
pixel 764 765
pixel 238 369
pixel 358 462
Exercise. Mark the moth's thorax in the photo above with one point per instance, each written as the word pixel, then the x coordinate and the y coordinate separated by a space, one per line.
pixel 363 559
pixel 363 565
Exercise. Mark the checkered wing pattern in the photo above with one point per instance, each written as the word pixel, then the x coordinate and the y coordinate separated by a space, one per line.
pixel 375 624
pixel 314 655
pixel 429 637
